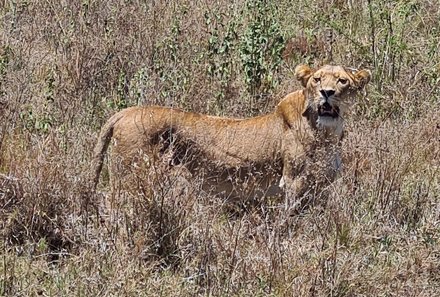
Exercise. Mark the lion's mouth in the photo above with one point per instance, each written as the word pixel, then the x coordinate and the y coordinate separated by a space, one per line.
pixel 327 110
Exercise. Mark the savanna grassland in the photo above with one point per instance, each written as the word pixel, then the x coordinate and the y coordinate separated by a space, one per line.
pixel 66 66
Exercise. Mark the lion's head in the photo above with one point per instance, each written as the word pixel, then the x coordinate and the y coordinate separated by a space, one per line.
pixel 330 89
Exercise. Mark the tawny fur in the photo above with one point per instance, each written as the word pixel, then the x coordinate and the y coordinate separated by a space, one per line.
pixel 281 138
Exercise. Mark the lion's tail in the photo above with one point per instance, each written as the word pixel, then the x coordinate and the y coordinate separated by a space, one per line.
pixel 101 147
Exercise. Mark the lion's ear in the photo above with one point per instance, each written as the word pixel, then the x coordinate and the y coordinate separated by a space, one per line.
pixel 362 77
pixel 303 73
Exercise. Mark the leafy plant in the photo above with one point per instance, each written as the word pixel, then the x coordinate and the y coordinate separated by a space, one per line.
pixel 261 48
pixel 222 43
pixel 168 61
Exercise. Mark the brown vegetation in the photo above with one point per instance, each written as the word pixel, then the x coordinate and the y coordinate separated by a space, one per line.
pixel 67 66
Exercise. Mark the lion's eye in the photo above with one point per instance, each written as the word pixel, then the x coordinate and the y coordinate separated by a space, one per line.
pixel 343 81
pixel 317 79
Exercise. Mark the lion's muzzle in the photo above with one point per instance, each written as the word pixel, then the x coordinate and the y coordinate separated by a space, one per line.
pixel 327 110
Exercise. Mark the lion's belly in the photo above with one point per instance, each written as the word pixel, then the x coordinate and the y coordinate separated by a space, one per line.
pixel 249 182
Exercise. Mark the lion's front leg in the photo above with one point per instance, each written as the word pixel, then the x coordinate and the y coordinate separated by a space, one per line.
pixel 295 182
pixel 296 190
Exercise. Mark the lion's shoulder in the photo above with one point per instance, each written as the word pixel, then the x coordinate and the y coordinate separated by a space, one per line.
pixel 292 107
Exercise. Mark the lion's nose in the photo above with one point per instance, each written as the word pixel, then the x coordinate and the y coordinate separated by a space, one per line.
pixel 327 93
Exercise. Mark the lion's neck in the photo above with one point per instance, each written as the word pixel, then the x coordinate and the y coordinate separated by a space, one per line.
pixel 332 132
pixel 327 138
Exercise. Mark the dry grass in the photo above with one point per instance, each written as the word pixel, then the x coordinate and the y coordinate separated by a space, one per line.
pixel 65 66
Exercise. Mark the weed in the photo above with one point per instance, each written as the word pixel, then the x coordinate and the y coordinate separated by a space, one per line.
pixel 222 44
pixel 261 48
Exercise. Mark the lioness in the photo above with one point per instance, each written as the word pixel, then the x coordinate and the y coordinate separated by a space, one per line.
pixel 275 146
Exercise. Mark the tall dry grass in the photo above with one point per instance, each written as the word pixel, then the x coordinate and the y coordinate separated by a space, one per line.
pixel 66 66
